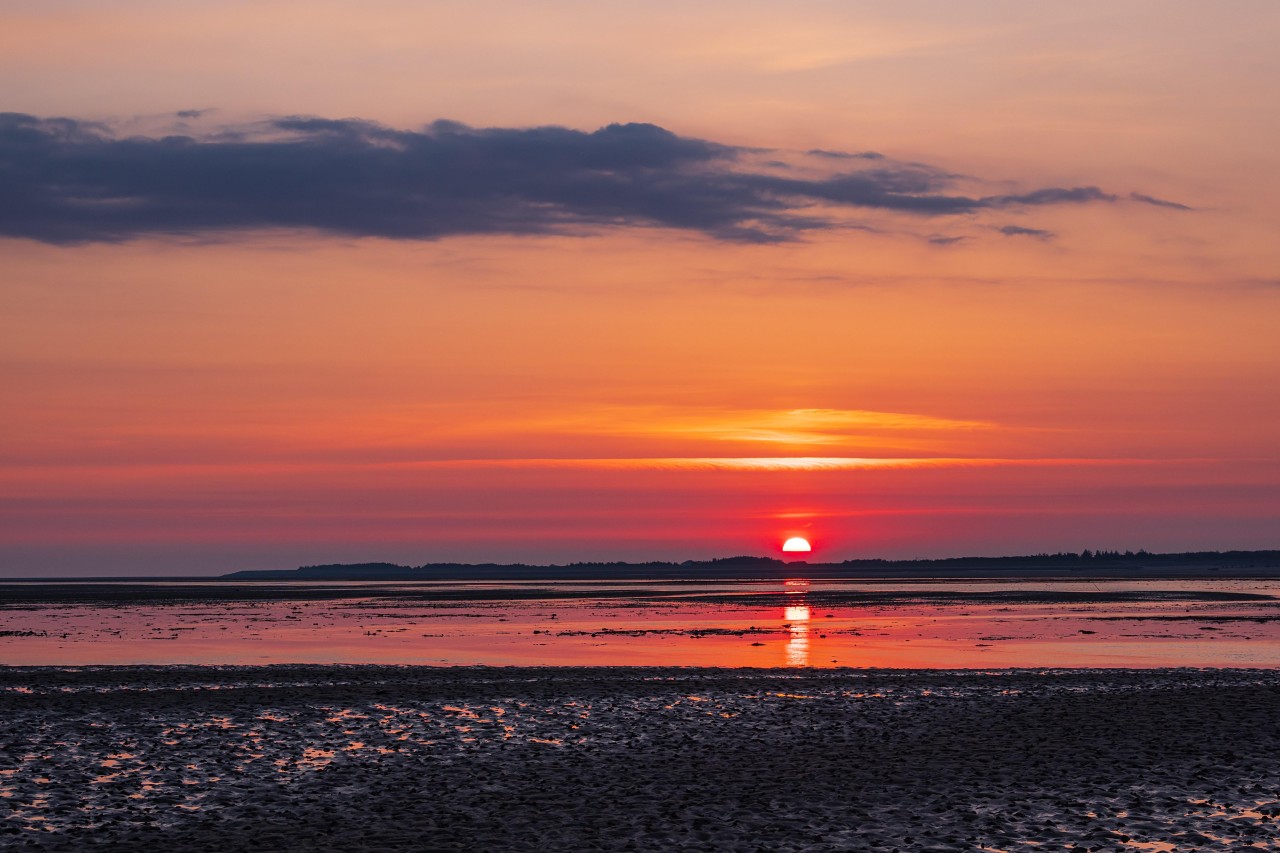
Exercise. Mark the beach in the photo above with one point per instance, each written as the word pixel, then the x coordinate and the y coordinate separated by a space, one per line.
pixel 637 758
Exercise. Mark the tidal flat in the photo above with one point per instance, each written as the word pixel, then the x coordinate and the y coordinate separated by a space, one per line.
pixel 637 758
pixel 797 622
pixel 785 715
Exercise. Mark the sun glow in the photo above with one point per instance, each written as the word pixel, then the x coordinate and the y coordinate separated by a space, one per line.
pixel 796 543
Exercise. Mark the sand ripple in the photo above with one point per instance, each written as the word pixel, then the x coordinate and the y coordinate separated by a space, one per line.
pixel 283 758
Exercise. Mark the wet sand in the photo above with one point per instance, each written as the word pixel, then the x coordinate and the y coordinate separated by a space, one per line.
pixel 796 622
pixel 420 758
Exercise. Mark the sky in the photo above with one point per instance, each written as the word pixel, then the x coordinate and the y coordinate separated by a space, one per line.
pixel 285 283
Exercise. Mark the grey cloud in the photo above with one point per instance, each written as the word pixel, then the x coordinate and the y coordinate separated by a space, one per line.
pixel 68 181
pixel 1158 202
pixel 1053 195
pixel 1019 231
pixel 846 155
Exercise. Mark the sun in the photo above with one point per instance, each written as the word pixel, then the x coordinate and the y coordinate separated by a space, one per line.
pixel 796 543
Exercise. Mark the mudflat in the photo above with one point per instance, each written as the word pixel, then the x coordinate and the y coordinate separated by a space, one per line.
pixel 921 624
pixel 637 758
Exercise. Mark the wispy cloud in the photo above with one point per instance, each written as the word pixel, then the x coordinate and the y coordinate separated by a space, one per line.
pixel 784 463
pixel 1158 202
pixel 848 430
pixel 1020 231
pixel 67 181
pixel 803 426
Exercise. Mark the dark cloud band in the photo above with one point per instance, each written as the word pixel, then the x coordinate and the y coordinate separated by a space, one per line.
pixel 68 181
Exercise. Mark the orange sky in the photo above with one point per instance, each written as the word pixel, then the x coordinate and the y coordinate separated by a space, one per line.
pixel 1101 375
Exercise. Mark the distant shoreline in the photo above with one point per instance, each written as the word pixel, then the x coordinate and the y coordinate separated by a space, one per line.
pixel 1092 564
pixel 1088 565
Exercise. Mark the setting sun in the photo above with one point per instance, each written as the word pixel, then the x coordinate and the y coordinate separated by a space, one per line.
pixel 796 543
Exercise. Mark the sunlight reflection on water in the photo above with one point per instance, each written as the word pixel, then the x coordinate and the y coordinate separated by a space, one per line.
pixel 927 624
pixel 797 617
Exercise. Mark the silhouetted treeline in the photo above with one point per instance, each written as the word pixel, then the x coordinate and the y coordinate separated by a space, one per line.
pixel 1094 563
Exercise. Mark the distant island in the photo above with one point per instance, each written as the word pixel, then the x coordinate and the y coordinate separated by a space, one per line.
pixel 1087 563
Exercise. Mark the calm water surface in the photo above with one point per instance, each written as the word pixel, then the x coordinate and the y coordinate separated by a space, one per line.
pixel 917 624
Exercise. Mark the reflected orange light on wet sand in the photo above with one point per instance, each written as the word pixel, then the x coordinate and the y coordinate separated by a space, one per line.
pixel 797 624
pixel 731 623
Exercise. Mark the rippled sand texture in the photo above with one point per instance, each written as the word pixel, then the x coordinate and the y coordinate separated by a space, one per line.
pixel 386 758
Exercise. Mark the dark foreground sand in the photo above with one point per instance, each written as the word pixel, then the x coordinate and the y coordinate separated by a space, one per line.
pixel 385 758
